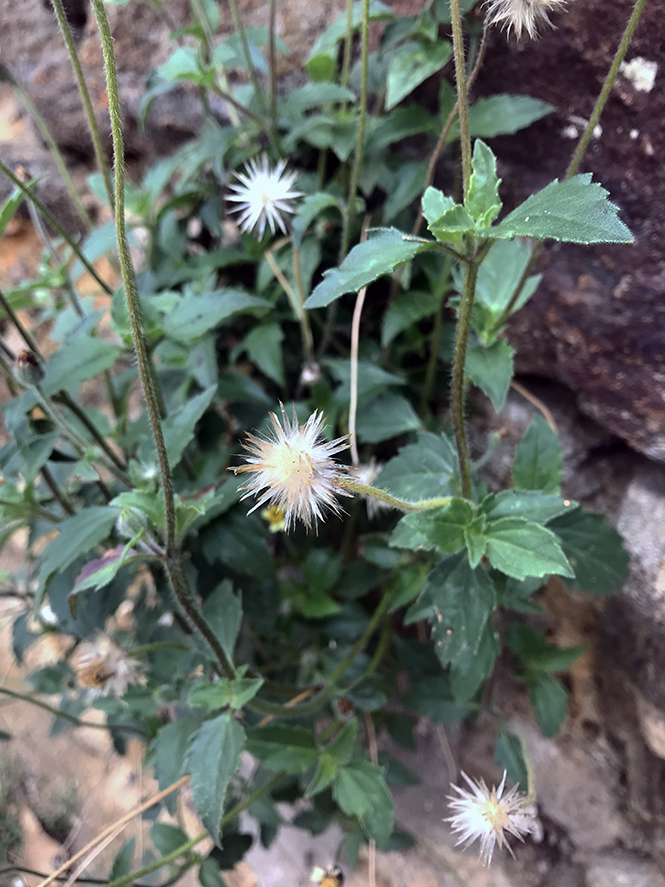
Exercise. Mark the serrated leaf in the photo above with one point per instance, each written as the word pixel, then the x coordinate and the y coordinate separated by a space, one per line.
pixel 575 211
pixel 99 572
pixel 443 528
pixel 179 427
pixel 263 345
pixel 194 315
pixel 387 416
pixel 505 114
pixel 491 369
pixel 76 536
pixel 240 541
pixel 422 470
pixel 385 250
pixel 212 760
pixel 170 748
pixel 530 504
pixel 595 550
pixel 463 600
pixel 508 754
pixel 520 548
pixel 309 208
pixel 549 699
pixel 482 200
pixel 538 459
pixel 224 692
pixel 360 790
pixel 411 64
pixel 282 747
pixel 498 277
pixel 222 610
pixel 475 541
pixel 448 221
pixel 407 310
pixel 470 670
pixel 79 359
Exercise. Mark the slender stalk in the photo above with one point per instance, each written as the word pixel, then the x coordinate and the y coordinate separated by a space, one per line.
pixel 242 36
pixel 272 63
pixel 308 341
pixel 77 722
pixel 582 145
pixel 71 404
pixel 348 43
pixel 355 172
pixel 189 845
pixel 348 483
pixel 58 494
pixel 601 101
pixel 295 299
pixel 129 280
pixel 56 153
pixel 459 361
pixel 353 398
pixel 22 330
pixel 223 92
pixel 462 96
pixel 59 10
pixel 55 224
pixel 430 372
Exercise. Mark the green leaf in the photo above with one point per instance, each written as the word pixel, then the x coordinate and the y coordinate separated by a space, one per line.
pixel 422 470
pixel 222 610
pixel 240 541
pixel 538 459
pixel 463 600
pixel 482 200
pixel 170 748
pixel 179 427
pixel 442 528
pixel 263 345
pixel 491 369
pixel 384 251
pixel 595 551
pixel 433 697
pixel 212 760
pixel 281 747
pixel 312 95
pixel 209 873
pixel 470 670
pixel 385 417
pixel 536 654
pixel 9 207
pixel 76 536
pixel 406 310
pixel 181 65
pixel 530 504
pixel 150 503
pixel 194 315
pixel 403 186
pixel 411 64
pixel 312 206
pixel 123 864
pixel 520 548
pixel 224 692
pixel 448 221
pixel 166 837
pixel 360 790
pixel 79 359
pixel 505 114
pixel 475 541
pixel 498 277
pixel 101 571
pixel 549 699
pixel 576 211
pixel 508 754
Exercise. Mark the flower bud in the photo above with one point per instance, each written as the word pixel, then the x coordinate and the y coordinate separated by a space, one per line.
pixel 28 369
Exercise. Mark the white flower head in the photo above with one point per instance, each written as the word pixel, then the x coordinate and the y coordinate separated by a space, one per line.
pixel 105 669
pixel 294 469
pixel 490 815
pixel 522 15
pixel 264 195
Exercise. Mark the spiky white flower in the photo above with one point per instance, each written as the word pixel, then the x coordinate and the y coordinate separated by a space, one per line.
pixel 264 195
pixel 294 469
pixel 490 815
pixel 105 669
pixel 522 15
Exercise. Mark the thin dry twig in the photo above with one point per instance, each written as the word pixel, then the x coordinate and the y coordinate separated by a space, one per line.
pixel 355 342
pixel 538 404
pixel 122 822
pixel 296 699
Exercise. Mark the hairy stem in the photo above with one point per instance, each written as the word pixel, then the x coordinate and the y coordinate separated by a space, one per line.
pixel 459 361
pixel 59 10
pixel 347 483
pixel 462 96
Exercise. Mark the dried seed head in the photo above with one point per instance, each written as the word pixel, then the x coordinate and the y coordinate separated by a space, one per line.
pixel 522 15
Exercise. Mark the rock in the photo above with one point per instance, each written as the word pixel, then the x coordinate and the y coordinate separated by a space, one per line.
pixel 597 323
pixel 623 870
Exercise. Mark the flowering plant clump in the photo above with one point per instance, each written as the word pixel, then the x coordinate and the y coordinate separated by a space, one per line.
pixel 214 634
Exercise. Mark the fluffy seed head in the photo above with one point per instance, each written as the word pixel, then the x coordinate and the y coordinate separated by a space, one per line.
pixel 264 195
pixel 294 469
pixel 105 669
pixel 522 15
pixel 490 815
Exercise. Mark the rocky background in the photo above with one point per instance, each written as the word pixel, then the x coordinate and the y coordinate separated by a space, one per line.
pixel 590 347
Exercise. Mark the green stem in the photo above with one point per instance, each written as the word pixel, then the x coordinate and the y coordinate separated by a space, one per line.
pixel 129 280
pixel 242 36
pixel 64 398
pixel 223 92
pixel 24 697
pixel 37 510
pixel 348 44
pixel 189 845
pixel 459 360
pixel 302 313
pixel 56 153
pixel 58 494
pixel 272 63
pixel 462 96
pixel 355 486
pixel 601 101
pixel 582 145
pixel 22 331
pixel 59 10
pixel 355 172
pixel 55 224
